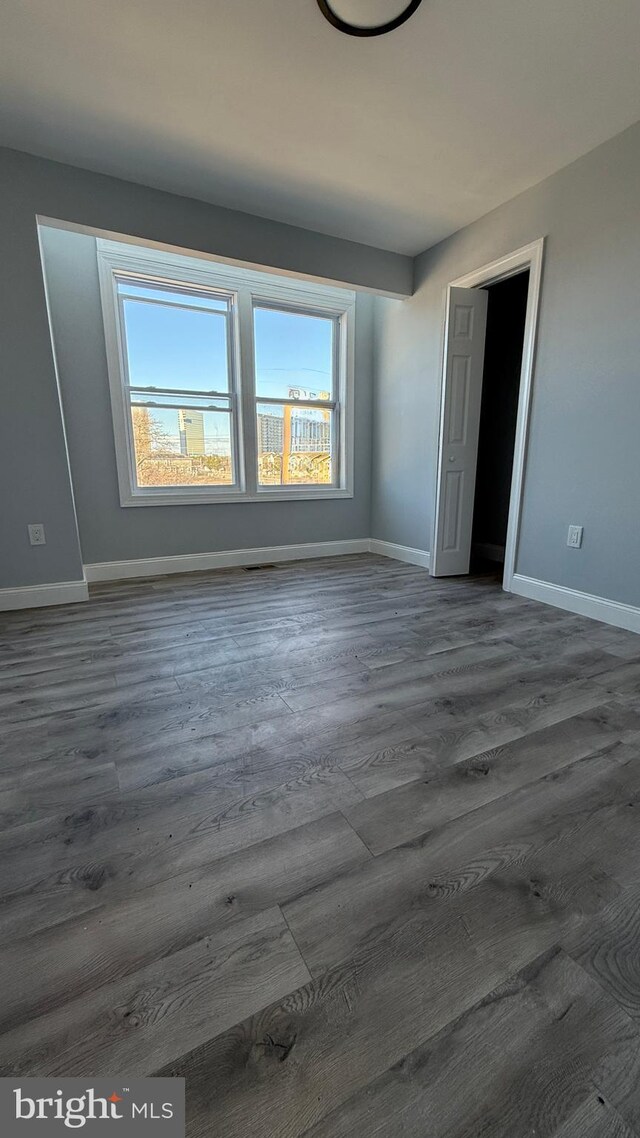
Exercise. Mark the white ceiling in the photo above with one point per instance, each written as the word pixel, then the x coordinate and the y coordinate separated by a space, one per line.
pixel 261 105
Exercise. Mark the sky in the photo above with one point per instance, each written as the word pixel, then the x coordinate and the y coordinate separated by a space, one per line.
pixel 185 347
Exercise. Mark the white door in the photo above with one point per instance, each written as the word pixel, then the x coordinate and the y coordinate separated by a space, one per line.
pixel 459 427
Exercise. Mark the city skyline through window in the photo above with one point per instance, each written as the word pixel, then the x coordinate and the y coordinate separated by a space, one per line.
pixel 177 341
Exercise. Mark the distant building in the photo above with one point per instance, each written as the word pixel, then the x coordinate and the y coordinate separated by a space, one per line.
pixel 309 434
pixel 310 427
pixel 270 433
pixel 191 427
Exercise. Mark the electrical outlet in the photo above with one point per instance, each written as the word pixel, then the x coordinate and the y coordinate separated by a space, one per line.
pixel 36 534
pixel 574 537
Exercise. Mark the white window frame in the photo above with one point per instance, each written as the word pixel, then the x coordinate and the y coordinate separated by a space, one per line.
pixel 246 288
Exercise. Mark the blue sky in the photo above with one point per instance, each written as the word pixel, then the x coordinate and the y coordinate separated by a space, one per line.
pixel 291 351
pixel 186 348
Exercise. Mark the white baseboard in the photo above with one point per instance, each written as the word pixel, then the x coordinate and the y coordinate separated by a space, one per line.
pixel 597 608
pixel 193 562
pixel 36 596
pixel 400 552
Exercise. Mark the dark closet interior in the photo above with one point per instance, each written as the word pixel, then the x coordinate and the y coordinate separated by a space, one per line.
pixel 500 389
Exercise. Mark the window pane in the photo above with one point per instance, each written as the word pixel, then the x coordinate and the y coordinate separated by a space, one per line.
pixel 294 445
pixel 168 295
pixel 293 355
pixel 182 447
pixel 173 344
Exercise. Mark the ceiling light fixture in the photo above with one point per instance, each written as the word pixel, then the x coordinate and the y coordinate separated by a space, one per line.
pixel 367 17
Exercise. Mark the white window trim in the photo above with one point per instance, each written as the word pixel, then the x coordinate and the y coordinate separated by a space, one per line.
pixel 248 288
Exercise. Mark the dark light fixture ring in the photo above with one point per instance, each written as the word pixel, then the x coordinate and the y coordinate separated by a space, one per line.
pixel 357 30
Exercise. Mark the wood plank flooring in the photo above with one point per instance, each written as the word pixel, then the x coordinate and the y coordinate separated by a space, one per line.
pixel 353 850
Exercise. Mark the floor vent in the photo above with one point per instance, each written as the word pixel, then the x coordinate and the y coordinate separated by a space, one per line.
pixel 254 568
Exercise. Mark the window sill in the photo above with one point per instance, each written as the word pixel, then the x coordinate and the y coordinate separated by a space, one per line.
pixel 307 494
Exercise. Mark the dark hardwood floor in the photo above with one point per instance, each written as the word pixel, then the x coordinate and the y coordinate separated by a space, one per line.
pixel 354 850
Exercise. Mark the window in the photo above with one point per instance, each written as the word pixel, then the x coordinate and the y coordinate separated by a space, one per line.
pixel 177 385
pixel 226 384
pixel 296 403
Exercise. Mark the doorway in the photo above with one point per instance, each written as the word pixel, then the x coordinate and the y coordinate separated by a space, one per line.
pixel 483 439
pixel 504 343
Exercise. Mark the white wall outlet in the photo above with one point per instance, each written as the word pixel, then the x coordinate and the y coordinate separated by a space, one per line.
pixel 36 534
pixel 574 537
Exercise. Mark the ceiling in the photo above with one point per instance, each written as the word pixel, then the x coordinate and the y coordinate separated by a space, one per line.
pixel 395 141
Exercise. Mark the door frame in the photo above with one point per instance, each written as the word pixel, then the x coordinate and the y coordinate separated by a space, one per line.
pixel 528 257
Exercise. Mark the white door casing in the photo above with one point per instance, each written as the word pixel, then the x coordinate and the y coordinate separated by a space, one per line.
pixel 459 429
pixel 528 258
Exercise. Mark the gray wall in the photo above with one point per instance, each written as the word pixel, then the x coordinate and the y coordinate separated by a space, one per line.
pixel 583 464
pixel 110 533
pixel 34 473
